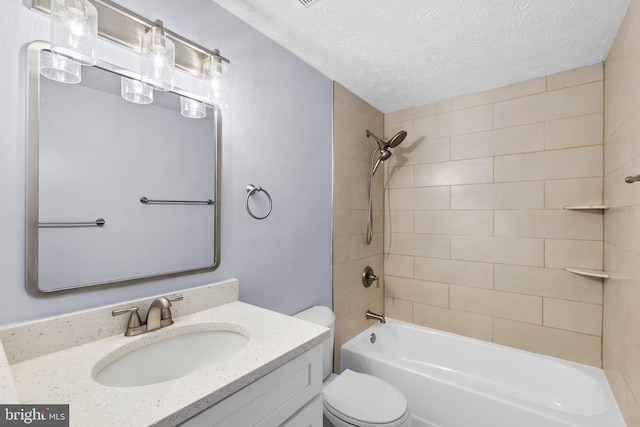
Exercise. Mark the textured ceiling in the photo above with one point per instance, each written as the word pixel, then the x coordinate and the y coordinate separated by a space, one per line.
pixel 401 53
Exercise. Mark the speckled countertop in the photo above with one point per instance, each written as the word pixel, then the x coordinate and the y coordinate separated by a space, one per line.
pixel 8 394
pixel 66 376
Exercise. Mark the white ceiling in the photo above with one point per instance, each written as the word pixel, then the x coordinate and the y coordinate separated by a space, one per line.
pixel 401 53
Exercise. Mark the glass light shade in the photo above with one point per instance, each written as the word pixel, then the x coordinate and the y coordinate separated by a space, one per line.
pixel 135 91
pixel 212 80
pixel 60 68
pixel 74 29
pixel 192 108
pixel 158 59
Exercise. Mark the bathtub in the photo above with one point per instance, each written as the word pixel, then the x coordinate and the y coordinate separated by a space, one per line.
pixel 455 381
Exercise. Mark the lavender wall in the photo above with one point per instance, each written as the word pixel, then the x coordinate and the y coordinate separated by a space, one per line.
pixel 277 133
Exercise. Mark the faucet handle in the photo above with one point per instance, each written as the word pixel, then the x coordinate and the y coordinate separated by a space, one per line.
pixel 166 318
pixel 135 324
pixel 368 277
pixel 176 298
pixel 134 320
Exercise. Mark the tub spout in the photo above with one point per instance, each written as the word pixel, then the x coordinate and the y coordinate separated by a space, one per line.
pixel 372 315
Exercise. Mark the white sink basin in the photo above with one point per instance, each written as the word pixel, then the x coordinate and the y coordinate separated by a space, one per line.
pixel 171 358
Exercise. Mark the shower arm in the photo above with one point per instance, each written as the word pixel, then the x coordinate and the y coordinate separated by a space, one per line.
pixel 381 143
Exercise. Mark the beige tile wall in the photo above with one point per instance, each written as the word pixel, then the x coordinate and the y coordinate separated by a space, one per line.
pixel 621 336
pixel 476 237
pixel 352 152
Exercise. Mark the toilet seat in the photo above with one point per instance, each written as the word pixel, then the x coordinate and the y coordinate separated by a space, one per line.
pixel 364 400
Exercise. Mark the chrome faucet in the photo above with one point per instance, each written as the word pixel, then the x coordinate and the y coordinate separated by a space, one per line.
pixel 158 316
pixel 371 315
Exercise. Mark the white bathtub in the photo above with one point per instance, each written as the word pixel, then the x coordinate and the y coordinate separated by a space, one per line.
pixel 454 381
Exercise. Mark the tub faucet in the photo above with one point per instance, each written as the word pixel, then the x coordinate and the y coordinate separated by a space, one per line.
pixel 371 315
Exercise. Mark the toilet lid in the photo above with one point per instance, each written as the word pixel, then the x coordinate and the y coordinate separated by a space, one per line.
pixel 362 398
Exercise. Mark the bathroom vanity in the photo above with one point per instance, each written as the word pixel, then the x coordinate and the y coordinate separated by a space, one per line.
pixel 274 377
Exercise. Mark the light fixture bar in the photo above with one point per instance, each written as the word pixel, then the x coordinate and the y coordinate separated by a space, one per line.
pixel 125 27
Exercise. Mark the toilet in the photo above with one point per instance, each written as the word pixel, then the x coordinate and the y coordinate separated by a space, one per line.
pixel 352 398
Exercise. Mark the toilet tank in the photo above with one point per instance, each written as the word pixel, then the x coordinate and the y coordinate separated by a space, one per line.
pixel 323 316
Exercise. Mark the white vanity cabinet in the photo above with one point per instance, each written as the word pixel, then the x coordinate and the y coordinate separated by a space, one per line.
pixel 288 396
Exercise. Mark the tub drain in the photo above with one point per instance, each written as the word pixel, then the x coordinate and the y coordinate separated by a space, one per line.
pixel 372 338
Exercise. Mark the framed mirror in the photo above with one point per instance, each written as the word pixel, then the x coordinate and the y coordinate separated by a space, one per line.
pixel 117 192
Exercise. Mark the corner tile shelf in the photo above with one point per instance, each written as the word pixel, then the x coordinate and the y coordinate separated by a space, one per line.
pixel 586 208
pixel 587 272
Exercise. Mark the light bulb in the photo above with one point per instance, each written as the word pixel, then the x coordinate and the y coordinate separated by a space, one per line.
pixel 74 29
pixel 211 80
pixel 158 59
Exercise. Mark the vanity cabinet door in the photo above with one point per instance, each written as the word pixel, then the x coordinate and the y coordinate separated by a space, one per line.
pixel 309 416
pixel 277 398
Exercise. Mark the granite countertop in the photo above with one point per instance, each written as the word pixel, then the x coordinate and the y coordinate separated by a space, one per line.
pixel 65 376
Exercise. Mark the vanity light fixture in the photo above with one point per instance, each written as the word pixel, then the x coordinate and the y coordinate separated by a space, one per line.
pixel 74 30
pixel 158 58
pixel 60 68
pixel 162 50
pixel 135 91
pixel 211 79
pixel 192 109
pixel 127 28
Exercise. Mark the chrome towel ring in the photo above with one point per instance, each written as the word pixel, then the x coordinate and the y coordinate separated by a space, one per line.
pixel 251 190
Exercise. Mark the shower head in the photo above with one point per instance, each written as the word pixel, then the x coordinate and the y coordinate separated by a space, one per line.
pixel 397 139
pixel 384 147
pixel 385 153
pixel 393 142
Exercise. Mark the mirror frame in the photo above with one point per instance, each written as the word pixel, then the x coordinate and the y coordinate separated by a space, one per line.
pixel 32 196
